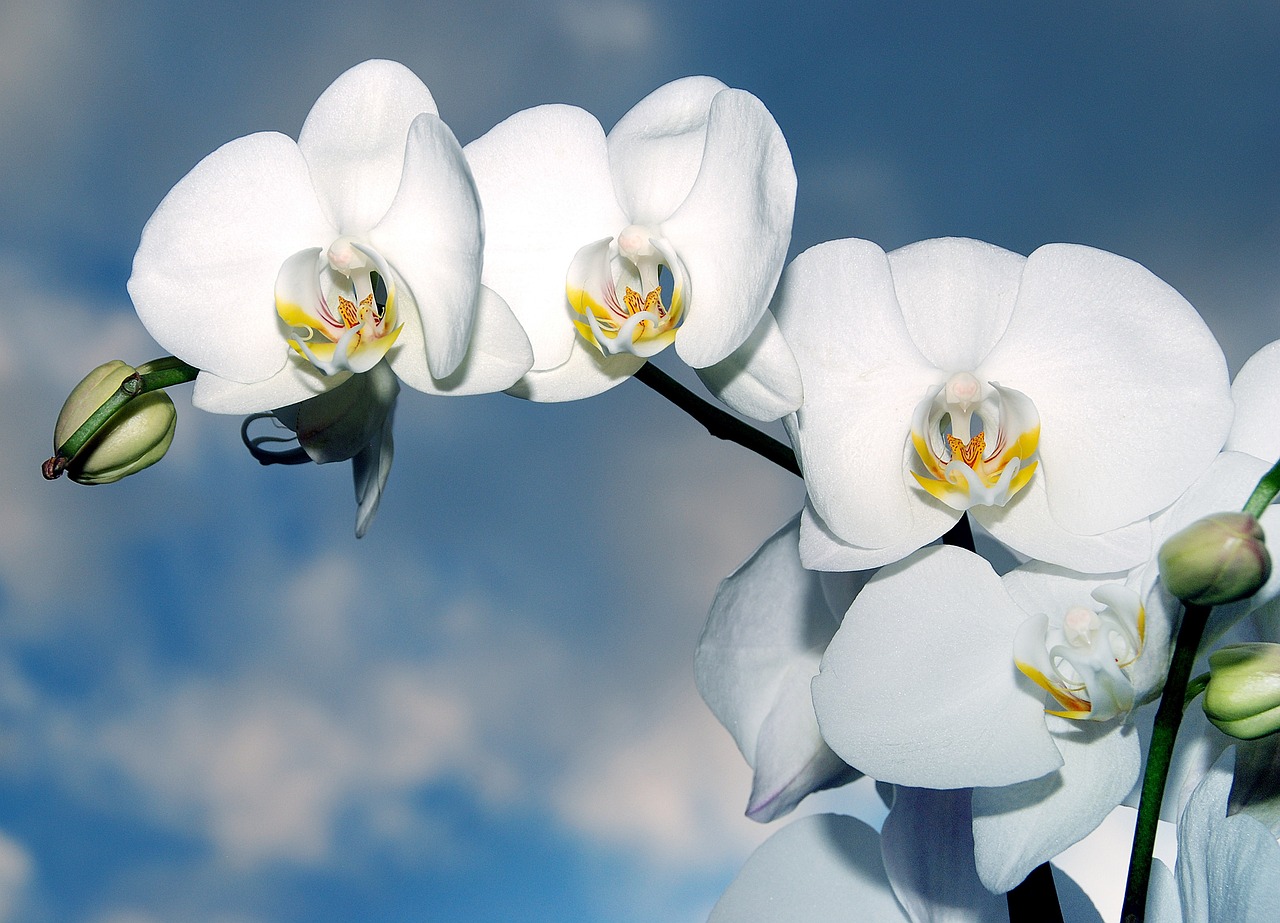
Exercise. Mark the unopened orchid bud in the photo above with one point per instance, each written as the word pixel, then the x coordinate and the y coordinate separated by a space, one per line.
pixel 1218 559
pixel 1243 695
pixel 136 437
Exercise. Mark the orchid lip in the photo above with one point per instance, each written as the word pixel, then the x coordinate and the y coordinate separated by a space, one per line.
pixel 975 443
pixel 615 291
pixel 1080 658
pixel 339 305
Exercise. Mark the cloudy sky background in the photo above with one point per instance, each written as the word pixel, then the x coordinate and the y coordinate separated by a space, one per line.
pixel 216 706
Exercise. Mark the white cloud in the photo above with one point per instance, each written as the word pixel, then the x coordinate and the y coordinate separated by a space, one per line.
pixel 16 871
pixel 605 28
pixel 669 784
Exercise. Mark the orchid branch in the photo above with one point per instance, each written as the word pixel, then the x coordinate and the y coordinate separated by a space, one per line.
pixel 1159 755
pixel 719 423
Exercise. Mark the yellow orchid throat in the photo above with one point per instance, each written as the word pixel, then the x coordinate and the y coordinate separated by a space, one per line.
pixel 639 322
pixel 339 306
pixel 964 468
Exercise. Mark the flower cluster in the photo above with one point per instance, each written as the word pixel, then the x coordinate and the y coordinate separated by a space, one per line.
pixel 1068 405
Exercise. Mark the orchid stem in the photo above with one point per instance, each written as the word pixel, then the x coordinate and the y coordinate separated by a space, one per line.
pixel 150 376
pixel 1163 734
pixel 718 423
pixel 1264 493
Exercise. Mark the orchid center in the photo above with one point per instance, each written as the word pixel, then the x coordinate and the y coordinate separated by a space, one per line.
pixel 1081 657
pixel 628 294
pixel 975 442
pixel 339 305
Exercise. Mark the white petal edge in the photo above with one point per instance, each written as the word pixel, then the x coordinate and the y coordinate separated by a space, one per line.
pixel 760 378
pixel 433 236
pixel 498 354
pixel 353 140
pixel 862 379
pixel 957 296
pixel 1017 827
pixel 1254 391
pixel 204 275
pixel 585 374
pixel 733 230
pixel 1228 867
pixel 1027 526
pixel 298 381
pixel 821 549
pixel 918 687
pixel 927 846
pixel 812 871
pixel 543 176
pixel 655 150
pixel 1120 368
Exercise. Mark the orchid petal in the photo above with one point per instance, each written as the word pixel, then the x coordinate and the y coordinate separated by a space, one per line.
pixel 1254 391
pixel 342 422
pixel 814 870
pixel 966 717
pixel 497 355
pixel 656 149
pixel 791 760
pixel 821 549
pixel 760 378
pixel 543 176
pixel 1228 867
pixel 758 653
pixel 1071 346
pixel 1163 903
pixel 1028 527
pixel 369 470
pixel 354 141
pixel 851 432
pixel 1017 827
pixel 733 230
pixel 1255 789
pixel 433 235
pixel 585 374
pixel 957 296
pixel 927 846
pixel 204 275
pixel 297 381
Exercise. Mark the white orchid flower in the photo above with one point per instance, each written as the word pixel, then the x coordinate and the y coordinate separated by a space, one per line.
pixel 769 624
pixel 1228 864
pixel 830 868
pixel 282 268
pixel 919 687
pixel 1060 399
pixel 672 229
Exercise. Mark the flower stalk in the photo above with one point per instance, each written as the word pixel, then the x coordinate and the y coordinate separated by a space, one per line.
pixel 1264 493
pixel 151 376
pixel 1163 735
pixel 719 423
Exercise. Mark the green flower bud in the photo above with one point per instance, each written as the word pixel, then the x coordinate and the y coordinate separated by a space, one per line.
pixel 135 438
pixel 1216 560
pixel 1243 696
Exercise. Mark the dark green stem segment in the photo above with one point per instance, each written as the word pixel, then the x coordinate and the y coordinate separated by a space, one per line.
pixel 1264 493
pixel 150 376
pixel 718 423
pixel 1159 754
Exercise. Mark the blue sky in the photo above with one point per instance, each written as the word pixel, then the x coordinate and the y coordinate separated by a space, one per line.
pixel 216 706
